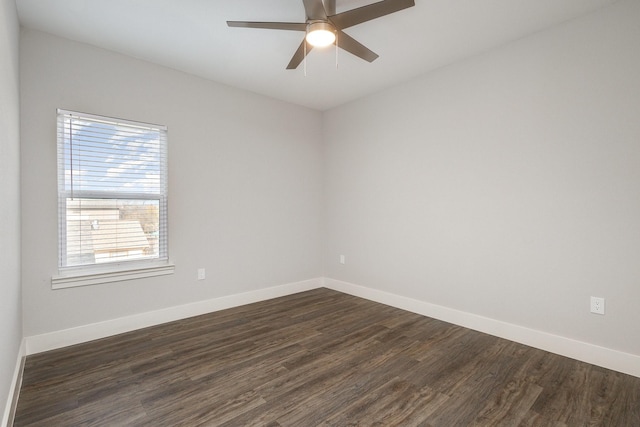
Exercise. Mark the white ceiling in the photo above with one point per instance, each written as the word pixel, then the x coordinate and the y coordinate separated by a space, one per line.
pixel 192 36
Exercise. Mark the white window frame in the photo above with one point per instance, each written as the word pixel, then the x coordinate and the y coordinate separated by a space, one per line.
pixel 91 274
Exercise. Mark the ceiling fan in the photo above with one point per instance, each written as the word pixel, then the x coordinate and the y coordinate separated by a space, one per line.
pixel 324 26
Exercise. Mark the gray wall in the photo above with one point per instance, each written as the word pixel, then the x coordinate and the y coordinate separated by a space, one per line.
pixel 505 185
pixel 10 303
pixel 244 182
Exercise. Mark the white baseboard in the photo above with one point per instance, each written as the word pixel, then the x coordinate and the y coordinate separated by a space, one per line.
pixel 14 389
pixel 80 334
pixel 590 353
pixel 607 358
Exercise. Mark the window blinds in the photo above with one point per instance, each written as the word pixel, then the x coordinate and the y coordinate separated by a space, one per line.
pixel 112 190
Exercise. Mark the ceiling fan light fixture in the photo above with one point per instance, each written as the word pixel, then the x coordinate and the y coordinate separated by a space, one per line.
pixel 320 34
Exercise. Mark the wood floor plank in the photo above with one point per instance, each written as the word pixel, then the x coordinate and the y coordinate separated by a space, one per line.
pixel 318 358
pixel 534 419
pixel 396 402
pixel 510 406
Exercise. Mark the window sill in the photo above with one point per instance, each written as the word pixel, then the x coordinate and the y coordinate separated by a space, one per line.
pixel 86 278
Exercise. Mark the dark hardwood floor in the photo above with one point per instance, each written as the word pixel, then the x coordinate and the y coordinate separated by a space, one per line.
pixel 318 358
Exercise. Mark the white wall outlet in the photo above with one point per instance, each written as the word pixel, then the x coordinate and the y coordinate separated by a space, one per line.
pixel 201 274
pixel 597 305
pixel 342 259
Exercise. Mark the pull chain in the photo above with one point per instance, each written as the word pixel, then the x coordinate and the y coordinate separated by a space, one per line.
pixel 305 57
pixel 336 50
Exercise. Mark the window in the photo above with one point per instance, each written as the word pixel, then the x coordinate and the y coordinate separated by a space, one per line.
pixel 112 199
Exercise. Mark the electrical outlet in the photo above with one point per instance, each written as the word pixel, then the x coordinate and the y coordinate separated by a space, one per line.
pixel 201 274
pixel 342 259
pixel 597 305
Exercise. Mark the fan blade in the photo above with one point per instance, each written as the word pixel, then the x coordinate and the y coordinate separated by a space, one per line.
pixel 293 26
pixel 299 55
pixel 367 13
pixel 330 7
pixel 314 9
pixel 353 46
